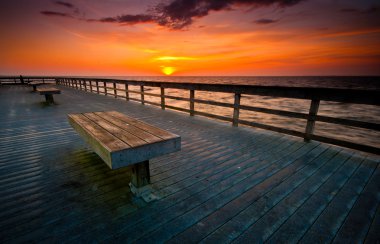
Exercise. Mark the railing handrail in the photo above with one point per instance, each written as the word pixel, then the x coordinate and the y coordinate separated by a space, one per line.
pixel 314 94
pixel 358 96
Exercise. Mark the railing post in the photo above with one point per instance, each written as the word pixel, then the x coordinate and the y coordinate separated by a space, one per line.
pixel 192 96
pixel 235 119
pixel 114 89
pixel 142 94
pixel 97 87
pixel 126 92
pixel 91 86
pixel 76 84
pixel 162 98
pixel 85 85
pixel 80 84
pixel 105 88
pixel 314 106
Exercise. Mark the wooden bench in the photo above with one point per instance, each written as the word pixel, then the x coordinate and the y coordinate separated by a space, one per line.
pixel 48 92
pixel 124 141
pixel 34 84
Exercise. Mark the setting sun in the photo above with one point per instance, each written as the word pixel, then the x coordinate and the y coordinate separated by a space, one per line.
pixel 168 70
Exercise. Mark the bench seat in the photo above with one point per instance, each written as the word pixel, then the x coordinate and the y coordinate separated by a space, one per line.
pixel 48 92
pixel 123 141
pixel 34 84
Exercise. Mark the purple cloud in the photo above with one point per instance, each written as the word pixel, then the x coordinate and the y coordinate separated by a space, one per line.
pixel 179 14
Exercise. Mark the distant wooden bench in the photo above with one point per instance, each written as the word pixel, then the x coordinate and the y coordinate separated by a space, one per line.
pixel 34 84
pixel 48 92
pixel 124 141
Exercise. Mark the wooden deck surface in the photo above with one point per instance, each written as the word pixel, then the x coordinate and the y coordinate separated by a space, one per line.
pixel 227 184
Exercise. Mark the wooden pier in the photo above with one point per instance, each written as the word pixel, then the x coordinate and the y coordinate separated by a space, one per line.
pixel 227 184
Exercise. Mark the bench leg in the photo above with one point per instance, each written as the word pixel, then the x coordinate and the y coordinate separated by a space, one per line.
pixel 140 174
pixel 34 88
pixel 49 98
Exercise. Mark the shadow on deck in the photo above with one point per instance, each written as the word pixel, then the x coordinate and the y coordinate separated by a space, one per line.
pixel 226 184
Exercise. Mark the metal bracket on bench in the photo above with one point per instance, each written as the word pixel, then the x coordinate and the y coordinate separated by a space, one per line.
pixel 145 192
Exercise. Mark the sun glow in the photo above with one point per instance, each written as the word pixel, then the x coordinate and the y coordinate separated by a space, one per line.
pixel 173 58
pixel 168 70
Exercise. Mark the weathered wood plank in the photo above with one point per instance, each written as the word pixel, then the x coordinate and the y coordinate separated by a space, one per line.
pixel 235 117
pixel 204 193
pixel 162 98
pixel 314 106
pixel 192 98
pixel 142 94
pixel 349 122
pixel 330 220
pixel 347 144
pixel 278 172
pixel 373 235
pixel 221 216
pixel 48 90
pixel 104 144
pixel 148 128
pixel 136 131
pixel 110 142
pixel 308 208
pixel 263 223
pixel 126 92
pixel 362 214
pixel 128 138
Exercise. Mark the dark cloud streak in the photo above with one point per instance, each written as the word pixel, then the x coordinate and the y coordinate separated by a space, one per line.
pixel 265 21
pixel 65 4
pixel 58 14
pixel 370 10
pixel 129 19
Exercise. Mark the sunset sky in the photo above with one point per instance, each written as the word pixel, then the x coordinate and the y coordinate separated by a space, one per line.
pixel 190 37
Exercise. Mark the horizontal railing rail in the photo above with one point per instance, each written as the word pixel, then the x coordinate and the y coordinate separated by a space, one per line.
pixel 25 79
pixel 114 87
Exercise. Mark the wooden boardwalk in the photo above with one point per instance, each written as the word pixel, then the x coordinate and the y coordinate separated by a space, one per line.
pixel 227 184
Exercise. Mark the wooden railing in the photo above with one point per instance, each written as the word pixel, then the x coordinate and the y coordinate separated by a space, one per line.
pixel 315 95
pixel 19 80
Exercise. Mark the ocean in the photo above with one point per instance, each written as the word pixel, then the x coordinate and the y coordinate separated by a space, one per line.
pixel 368 113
